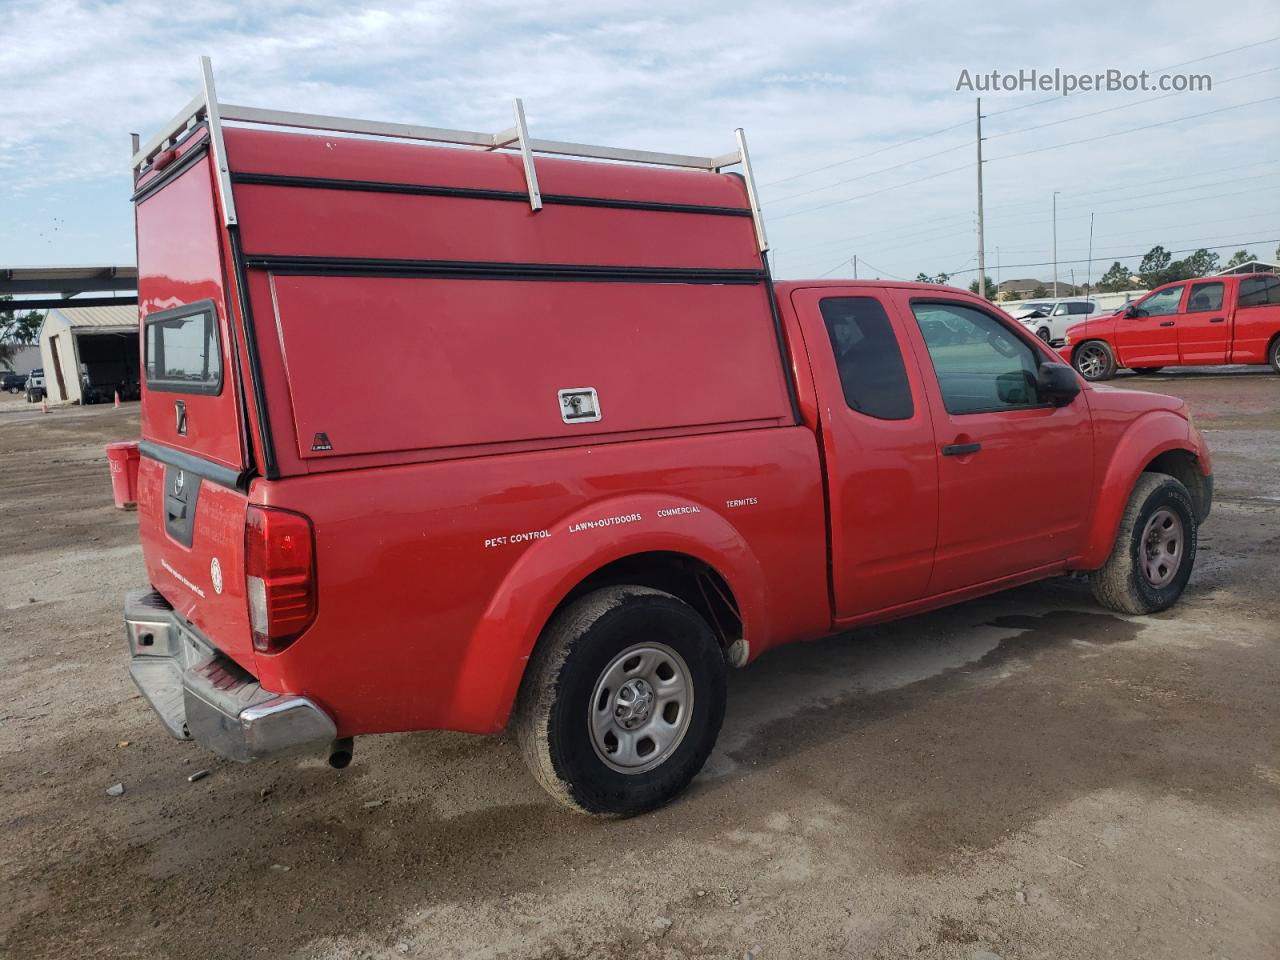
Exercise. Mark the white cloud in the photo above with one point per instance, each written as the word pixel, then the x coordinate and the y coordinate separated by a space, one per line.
pixel 813 83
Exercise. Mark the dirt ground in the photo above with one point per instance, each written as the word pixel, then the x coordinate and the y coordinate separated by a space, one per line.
pixel 1022 776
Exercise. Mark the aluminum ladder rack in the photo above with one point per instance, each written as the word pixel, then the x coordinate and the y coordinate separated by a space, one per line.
pixel 204 107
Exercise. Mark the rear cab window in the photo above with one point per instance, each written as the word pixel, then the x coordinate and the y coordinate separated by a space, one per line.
pixel 869 360
pixel 981 365
pixel 181 350
pixel 1260 291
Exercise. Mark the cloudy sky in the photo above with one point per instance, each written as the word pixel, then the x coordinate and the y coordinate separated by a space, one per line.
pixel 862 143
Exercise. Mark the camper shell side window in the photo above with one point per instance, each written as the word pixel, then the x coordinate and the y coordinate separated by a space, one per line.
pixel 182 352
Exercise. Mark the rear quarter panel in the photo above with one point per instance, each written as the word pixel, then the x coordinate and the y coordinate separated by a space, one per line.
pixel 435 579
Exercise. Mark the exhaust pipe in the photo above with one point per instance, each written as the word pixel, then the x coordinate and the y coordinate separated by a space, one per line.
pixel 340 753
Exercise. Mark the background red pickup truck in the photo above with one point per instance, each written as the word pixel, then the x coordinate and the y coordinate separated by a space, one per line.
pixel 602 456
pixel 1201 322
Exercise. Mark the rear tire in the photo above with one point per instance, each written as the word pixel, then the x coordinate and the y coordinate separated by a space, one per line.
pixel 1147 371
pixel 1274 355
pixel 1154 551
pixel 1094 361
pixel 622 701
pixel 1043 334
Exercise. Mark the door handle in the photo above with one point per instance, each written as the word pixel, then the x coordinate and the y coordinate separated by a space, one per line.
pixel 1218 320
pixel 1167 323
pixel 960 449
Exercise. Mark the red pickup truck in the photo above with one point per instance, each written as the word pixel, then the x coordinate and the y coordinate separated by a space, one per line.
pixel 601 460
pixel 1200 322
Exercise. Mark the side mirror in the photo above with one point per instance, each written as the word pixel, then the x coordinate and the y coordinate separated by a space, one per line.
pixel 1056 383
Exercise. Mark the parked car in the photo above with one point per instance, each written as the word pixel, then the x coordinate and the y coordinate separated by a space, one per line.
pixel 604 461
pixel 13 382
pixel 1049 320
pixel 1200 322
pixel 35 386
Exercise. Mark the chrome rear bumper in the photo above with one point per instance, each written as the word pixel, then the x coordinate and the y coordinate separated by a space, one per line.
pixel 202 695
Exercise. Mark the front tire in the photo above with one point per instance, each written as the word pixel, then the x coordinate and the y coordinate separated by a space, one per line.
pixel 1154 551
pixel 1094 361
pixel 1043 334
pixel 622 701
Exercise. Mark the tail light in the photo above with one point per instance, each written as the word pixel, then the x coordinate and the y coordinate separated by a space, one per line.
pixel 280 576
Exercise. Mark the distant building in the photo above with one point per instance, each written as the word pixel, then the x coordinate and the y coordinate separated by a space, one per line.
pixel 89 349
pixel 1021 289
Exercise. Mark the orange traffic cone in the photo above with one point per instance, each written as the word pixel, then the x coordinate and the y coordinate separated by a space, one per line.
pixel 117 403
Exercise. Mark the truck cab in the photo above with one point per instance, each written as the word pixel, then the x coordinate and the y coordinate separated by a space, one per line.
pixel 1205 321
pixel 607 460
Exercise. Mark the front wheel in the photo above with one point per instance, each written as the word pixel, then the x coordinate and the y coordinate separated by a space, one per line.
pixel 1154 551
pixel 622 701
pixel 1043 334
pixel 1094 361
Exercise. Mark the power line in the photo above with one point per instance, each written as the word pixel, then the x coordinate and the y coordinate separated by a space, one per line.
pixel 1185 63
pixel 864 156
pixel 963 123
pixel 863 176
pixel 1129 256
pixel 863 196
pixel 1147 126
pixel 1130 186
pixel 1123 106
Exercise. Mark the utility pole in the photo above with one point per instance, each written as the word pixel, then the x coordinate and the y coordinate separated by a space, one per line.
pixel 982 257
pixel 1055 243
pixel 997 269
pixel 1088 276
pixel 855 266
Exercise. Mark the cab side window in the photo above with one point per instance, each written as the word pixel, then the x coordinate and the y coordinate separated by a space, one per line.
pixel 868 358
pixel 1161 304
pixel 1205 297
pixel 981 365
pixel 1260 291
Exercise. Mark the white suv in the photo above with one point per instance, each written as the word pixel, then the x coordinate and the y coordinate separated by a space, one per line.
pixel 1049 319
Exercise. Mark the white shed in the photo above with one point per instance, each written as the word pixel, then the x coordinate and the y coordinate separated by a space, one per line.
pixel 88 353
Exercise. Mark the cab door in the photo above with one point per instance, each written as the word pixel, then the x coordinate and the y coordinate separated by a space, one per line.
pixel 878 448
pixel 1015 473
pixel 1147 332
pixel 1202 325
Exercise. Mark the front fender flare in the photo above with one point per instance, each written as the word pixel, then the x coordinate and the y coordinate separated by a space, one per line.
pixel 1152 434
pixel 500 646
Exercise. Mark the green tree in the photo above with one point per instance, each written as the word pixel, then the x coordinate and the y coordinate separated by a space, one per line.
pixel 1115 279
pixel 1201 263
pixel 17 330
pixel 1039 292
pixel 989 288
pixel 1239 257
pixel 1154 265
pixel 925 278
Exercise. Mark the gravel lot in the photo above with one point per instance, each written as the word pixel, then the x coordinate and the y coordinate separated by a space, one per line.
pixel 1021 776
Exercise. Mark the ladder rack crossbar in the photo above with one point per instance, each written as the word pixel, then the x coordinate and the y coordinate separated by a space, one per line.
pixel 205 107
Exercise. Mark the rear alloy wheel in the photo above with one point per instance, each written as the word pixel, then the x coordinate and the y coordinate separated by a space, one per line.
pixel 622 701
pixel 1094 361
pixel 1154 551
pixel 1274 356
pixel 1147 371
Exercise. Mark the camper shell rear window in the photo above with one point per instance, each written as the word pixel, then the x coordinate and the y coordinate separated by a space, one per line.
pixel 182 353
